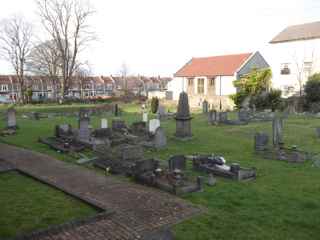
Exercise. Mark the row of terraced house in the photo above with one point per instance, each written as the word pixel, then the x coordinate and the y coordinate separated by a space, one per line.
pixel 85 87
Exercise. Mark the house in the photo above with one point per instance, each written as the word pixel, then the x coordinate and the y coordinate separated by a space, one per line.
pixel 295 56
pixel 211 78
pixel 44 88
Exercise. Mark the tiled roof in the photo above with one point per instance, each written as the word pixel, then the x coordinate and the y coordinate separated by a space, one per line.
pixel 298 32
pixel 225 65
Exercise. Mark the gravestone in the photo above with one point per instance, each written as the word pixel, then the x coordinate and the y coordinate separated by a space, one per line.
pixel 277 130
pixel 160 139
pixel 11 118
pixel 177 162
pixel 116 110
pixel 104 123
pixel 118 124
pixel 154 124
pixel 205 106
pixel 261 141
pixel 211 180
pixel 222 117
pixel 183 118
pixel 63 130
pixel 161 113
pixel 212 117
pixel 84 130
pixel 244 115
pixel 144 117
pixel 318 132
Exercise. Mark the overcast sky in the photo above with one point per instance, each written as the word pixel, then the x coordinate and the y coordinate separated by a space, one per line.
pixel 158 37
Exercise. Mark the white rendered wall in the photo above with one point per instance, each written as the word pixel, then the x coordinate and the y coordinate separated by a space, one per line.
pixel 226 87
pixel 177 85
pixel 294 53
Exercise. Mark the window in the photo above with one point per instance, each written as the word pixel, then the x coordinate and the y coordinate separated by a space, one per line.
pixel 200 85
pixel 307 68
pixel 190 81
pixel 4 88
pixel 211 83
pixel 285 69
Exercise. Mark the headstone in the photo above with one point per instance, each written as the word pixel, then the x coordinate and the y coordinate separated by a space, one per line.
pixel 261 141
pixel 161 112
pixel 104 123
pixel 211 180
pixel 63 130
pixel 84 130
pixel 222 117
pixel 200 183
pixel 177 162
pixel 277 130
pixel 116 110
pixel 144 117
pixel 244 115
pixel 160 139
pixel 11 118
pixel 183 118
pixel 154 124
pixel 205 106
pixel 318 132
pixel 212 117
pixel 118 124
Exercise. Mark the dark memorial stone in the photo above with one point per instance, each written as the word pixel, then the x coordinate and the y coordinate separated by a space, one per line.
pixel 177 162
pixel 205 106
pixel 261 141
pixel 183 118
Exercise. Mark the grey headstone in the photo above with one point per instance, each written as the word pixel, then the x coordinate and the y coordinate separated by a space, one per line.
pixel 118 124
pixel 205 106
pixel 177 162
pixel 318 132
pixel 84 130
pixel 261 141
pixel 222 117
pixel 160 139
pixel 244 115
pixel 161 112
pixel 211 180
pixel 277 130
pixel 11 118
pixel 183 117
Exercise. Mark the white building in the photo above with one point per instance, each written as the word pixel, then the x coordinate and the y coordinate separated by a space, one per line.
pixel 211 78
pixel 295 56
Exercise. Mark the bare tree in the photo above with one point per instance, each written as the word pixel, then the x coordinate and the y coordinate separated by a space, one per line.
pixel 66 21
pixel 81 74
pixel 302 68
pixel 15 46
pixel 46 61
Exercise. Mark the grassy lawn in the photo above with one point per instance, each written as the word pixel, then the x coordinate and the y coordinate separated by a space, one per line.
pixel 28 205
pixel 283 202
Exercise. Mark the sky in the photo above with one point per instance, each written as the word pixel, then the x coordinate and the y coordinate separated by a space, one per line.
pixel 158 37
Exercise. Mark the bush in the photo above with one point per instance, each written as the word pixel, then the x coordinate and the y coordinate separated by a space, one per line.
pixel 238 98
pixel 268 100
pixel 154 104
pixel 312 89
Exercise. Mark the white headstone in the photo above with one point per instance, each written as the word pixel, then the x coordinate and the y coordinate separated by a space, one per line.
pixel 153 125
pixel 144 117
pixel 104 123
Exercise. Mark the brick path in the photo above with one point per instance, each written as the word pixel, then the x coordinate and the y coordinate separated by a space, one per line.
pixel 138 210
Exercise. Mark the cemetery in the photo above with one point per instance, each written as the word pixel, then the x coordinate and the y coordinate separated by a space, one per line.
pixel 155 156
